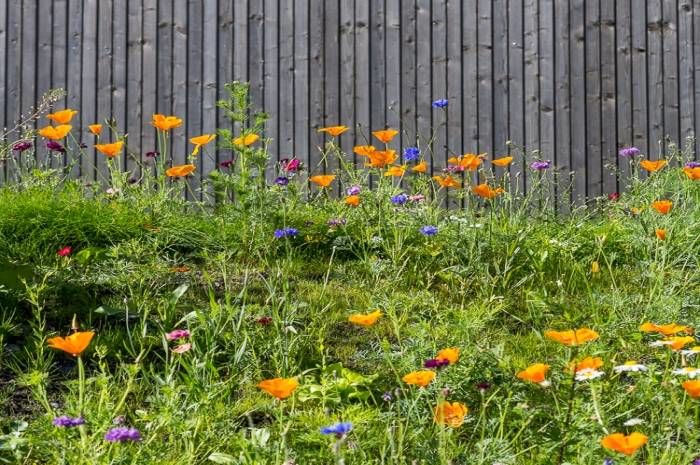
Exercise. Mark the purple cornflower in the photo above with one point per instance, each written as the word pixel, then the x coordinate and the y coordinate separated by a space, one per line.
pixel 540 165
pixel 152 154
pixel 21 146
pixel 282 181
pixel 483 386
pixel 628 152
pixel 609 461
pixel 177 334
pixel 122 434
pixel 339 429
pixel 428 230
pixel 387 397
pixel 692 164
pixel 440 103
pixel 399 199
pixel 411 153
pixel 696 461
pixel 226 164
pixel 354 190
pixel 337 222
pixel 286 232
pixel 55 146
pixel 64 421
pixel 436 363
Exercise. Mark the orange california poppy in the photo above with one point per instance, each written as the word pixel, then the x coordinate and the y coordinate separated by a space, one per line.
pixel 74 344
pixel 96 129
pixel 180 269
pixel 166 123
pixel 535 373
pixel 662 206
pixel 334 131
pixel 385 135
pixel 667 330
pixel 365 319
pixel 201 141
pixel 381 158
pixel 450 414
pixel 110 150
pixel 652 166
pixel 421 167
pixel 419 378
pixel 677 342
pixel 692 173
pixel 55 132
pixel 246 140
pixel 451 354
pixel 364 150
pixel 627 445
pixel 590 363
pixel 446 181
pixel 692 387
pixel 468 161
pixel 396 171
pixel 322 180
pixel 503 161
pixel 279 387
pixel 486 192
pixel 660 234
pixel 352 200
pixel 179 171
pixel 572 337
pixel 63 116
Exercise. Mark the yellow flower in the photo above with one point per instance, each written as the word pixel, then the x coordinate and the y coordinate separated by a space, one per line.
pixel 590 363
pixel 381 158
pixel 365 320
pixel 110 150
pixel 352 200
pixel 322 180
pixel 446 181
pixel 385 135
pixel 419 378
pixel 667 330
pixel 595 267
pixel 166 123
pixel 572 337
pixel 200 141
pixel 245 141
pixel 364 150
pixel 692 173
pixel 535 373
pixel 486 192
pixel 179 171
pixel 504 161
pixel 55 132
pixel 96 129
pixel 451 354
pixel 74 344
pixel 468 161
pixel 334 131
pixel 279 387
pixel 652 166
pixel 63 116
pixel 450 414
pixel 627 445
pixel 396 171
pixel 421 167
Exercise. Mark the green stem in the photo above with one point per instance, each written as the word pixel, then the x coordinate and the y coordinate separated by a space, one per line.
pixel 569 411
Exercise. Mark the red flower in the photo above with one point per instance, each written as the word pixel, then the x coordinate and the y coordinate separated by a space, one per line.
pixel 65 251
pixel 614 196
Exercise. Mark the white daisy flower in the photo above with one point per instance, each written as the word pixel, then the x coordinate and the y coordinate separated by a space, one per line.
pixel 690 372
pixel 633 422
pixel 691 351
pixel 628 366
pixel 588 374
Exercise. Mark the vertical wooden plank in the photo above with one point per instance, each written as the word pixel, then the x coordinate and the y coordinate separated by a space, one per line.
pixel 669 37
pixel 3 85
pixel 193 109
pixel 562 110
pixel 439 80
pixel 577 58
pixel 624 86
pixel 655 74
pixel 164 47
pixel 225 67
pixel 532 91
pixel 180 55
pixel 362 70
pixel 59 46
pixel 377 68
pixel 516 95
pixel 546 75
pixel 209 90
pixel 286 80
pixel 484 76
pixel 13 69
pixel 608 97
pixel 256 53
pixel 696 67
pixel 45 49
pixel 316 81
pixel 639 81
pixel 240 45
pixel 332 69
pixel 271 96
pixel 89 84
pixel 75 73
pixel 29 56
pixel 423 83
pixel 149 76
pixel 120 62
pixel 500 77
pixel 408 73
pixel 392 64
pixel 593 104
pixel 686 74
pixel 105 15
pixel 346 76
pixel 454 77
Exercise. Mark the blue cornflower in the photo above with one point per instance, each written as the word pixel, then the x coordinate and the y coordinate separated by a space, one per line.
pixel 339 429
pixel 65 421
pixel 440 103
pixel 411 153
pixel 282 181
pixel 399 199
pixel 286 232
pixel 429 230
pixel 122 434
pixel 628 152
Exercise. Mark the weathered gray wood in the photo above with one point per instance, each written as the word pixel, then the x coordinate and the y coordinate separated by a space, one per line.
pixel 181 37
pixel 316 83
pixel 346 78
pixel 134 101
pixel 696 64
pixel 271 76
pixel 45 48
pixel 532 90
pixel 408 73
pixel 516 96
pixel 209 89
pixel 286 80
pixel 562 111
pixel 256 51
pixel 470 99
pixel 669 36
pixel 74 72
pixel 195 48
pixel 484 76
pixel 594 161
pixel 377 69
pixel 3 85
pixel 608 145
pixel 439 80
pixel 577 59
pixel 655 85
pixel 546 75
pixel 120 61
pixel 90 85
pixel 29 57
pixel 500 79
pixel 639 81
pixel 105 50
pixel 625 137
pixel 362 72
pixel 686 73
pixel 164 46
pixel 392 28
pixel 149 77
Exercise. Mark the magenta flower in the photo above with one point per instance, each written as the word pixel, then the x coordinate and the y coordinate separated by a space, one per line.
pixel 54 146
pixel 21 146
pixel 541 165
pixel 628 152
pixel 64 251
pixel 177 334
pixel 290 165
pixel 226 164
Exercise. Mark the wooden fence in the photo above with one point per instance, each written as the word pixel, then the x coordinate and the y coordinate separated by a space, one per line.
pixel 575 79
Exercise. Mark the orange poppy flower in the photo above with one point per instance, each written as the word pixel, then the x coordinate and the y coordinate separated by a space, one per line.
pixel 591 363
pixel 572 337
pixel 677 342
pixel 667 330
pixel 662 206
pixel 446 181
pixel 179 171
pixel 692 387
pixel 364 150
pixel 660 234
pixel 63 116
pixel 468 161
pixel 201 141
pixel 352 200
pixel 366 319
pixel 166 123
pixel 55 132
pixel 421 167
pixel 484 191
pixel 451 354
pixel 419 378
pixel 627 445
pixel 692 173
pixel 334 131
pixel 96 129
pixel 385 135
pixel 74 344
pixel 322 180
pixel 450 414
pixel 535 373
pixel 279 387
pixel 503 161
pixel 396 171
pixel 180 269
pixel 110 150
pixel 381 158
pixel 246 140
pixel 652 166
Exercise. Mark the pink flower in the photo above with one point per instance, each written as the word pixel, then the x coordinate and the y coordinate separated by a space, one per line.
pixel 65 251
pixel 182 348
pixel 177 334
